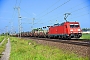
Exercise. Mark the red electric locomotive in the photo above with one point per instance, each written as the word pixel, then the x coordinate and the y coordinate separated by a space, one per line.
pixel 66 30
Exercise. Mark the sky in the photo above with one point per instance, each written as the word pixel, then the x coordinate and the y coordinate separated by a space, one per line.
pixel 41 13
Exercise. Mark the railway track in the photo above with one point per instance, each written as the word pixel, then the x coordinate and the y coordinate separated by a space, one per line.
pixel 81 42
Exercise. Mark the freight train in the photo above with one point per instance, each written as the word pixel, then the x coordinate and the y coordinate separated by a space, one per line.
pixel 65 30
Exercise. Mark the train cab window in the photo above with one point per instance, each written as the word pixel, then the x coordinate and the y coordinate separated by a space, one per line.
pixel 74 25
pixel 71 26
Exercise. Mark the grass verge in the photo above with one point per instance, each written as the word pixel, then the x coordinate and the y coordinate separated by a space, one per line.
pixel 85 36
pixel 29 50
pixel 2 47
pixel 1 38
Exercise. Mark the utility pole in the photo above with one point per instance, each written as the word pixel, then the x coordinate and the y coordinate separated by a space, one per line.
pixel 33 22
pixel 66 15
pixel 19 21
pixel 7 31
pixel 11 27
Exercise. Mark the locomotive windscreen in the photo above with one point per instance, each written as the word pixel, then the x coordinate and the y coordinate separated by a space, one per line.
pixel 74 25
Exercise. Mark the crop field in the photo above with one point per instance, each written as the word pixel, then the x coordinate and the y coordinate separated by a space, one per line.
pixel 22 49
pixel 85 36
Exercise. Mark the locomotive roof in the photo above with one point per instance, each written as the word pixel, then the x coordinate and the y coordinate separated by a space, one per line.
pixel 57 24
pixel 70 22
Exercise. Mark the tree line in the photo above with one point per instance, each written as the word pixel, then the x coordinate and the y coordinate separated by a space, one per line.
pixel 86 29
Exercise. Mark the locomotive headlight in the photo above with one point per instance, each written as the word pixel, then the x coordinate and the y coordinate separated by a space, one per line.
pixel 78 29
pixel 71 30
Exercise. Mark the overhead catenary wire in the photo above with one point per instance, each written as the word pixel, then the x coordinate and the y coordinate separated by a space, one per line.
pixel 77 9
pixel 19 2
pixel 74 11
pixel 49 7
pixel 54 9
pixel 14 10
pixel 80 15
pixel 80 9
pixel 25 12
pixel 69 9
pixel 43 11
pixel 13 15
pixel 16 3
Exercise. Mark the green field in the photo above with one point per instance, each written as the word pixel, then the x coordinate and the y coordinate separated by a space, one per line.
pixel 85 36
pixel 1 38
pixel 22 49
